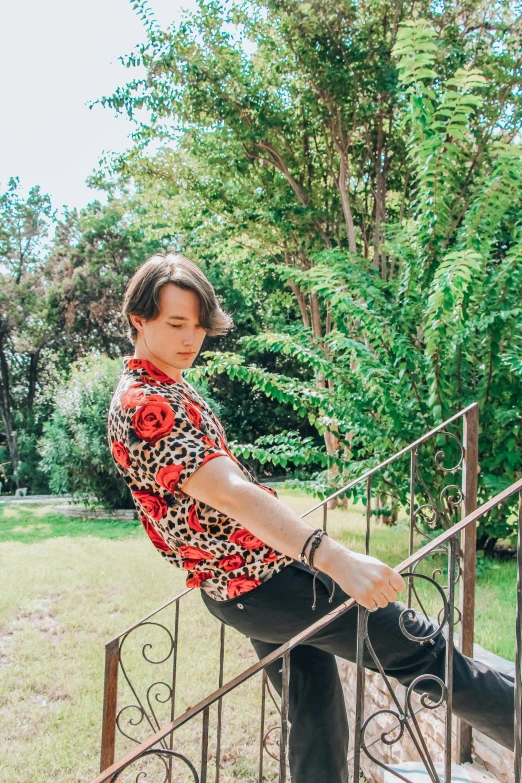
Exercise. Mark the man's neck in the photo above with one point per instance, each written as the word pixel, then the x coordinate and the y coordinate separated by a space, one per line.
pixel 141 352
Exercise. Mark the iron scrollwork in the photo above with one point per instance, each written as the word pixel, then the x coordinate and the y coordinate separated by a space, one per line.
pixel 406 722
pixel 166 756
pixel 149 715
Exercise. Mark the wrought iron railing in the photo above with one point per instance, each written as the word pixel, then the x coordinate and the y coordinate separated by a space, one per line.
pixel 435 512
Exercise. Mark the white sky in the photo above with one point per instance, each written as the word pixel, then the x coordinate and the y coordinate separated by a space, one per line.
pixel 55 57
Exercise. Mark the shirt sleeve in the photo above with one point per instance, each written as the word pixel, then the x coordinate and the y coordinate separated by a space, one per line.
pixel 169 440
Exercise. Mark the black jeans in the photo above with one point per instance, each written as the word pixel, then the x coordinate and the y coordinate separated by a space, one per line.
pixel 281 607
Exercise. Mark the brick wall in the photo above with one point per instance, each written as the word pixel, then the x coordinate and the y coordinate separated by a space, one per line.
pixel 494 757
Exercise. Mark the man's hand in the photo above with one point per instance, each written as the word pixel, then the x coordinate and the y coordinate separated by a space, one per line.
pixel 370 581
pixel 221 485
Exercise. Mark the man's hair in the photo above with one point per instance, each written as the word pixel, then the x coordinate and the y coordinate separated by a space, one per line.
pixel 143 292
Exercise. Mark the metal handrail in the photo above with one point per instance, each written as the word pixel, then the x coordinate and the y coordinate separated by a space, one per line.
pixel 302 637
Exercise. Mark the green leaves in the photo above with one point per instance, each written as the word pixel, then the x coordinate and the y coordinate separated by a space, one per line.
pixel 440 122
pixel 284 122
pixel 449 286
pixel 415 50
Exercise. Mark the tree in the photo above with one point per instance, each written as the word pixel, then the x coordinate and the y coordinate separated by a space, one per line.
pixel 281 122
pixel 409 352
pixel 24 331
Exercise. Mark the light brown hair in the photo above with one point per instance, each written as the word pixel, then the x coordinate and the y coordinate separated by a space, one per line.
pixel 143 291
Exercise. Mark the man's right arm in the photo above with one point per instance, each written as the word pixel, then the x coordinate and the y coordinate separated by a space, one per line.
pixel 221 484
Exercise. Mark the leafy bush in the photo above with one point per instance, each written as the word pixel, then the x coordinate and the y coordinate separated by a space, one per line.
pixel 74 448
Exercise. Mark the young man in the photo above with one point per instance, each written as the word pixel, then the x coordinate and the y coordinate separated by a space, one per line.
pixel 240 544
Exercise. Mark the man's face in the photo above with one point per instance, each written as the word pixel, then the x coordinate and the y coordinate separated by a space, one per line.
pixel 175 336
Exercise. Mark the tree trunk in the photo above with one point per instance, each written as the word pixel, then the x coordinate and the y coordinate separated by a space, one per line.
pixel 33 376
pixel 301 301
pixel 345 201
pixel 379 258
pixel 7 416
pixel 343 503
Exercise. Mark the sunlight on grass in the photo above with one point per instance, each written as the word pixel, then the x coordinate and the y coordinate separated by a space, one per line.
pixel 26 529
pixel 23 523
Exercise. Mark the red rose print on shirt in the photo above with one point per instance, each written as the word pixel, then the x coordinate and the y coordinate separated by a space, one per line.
pixel 197 578
pixel 246 539
pixel 241 584
pixel 226 564
pixel 193 414
pixel 146 380
pixel 154 536
pixel 193 521
pixel 194 553
pixel 154 505
pixel 168 476
pixel 153 420
pixel 209 442
pixel 231 562
pixel 120 454
pixel 133 397
pixel 154 372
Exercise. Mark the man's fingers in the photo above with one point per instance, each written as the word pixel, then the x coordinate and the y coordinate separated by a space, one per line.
pixel 397 582
pixel 390 593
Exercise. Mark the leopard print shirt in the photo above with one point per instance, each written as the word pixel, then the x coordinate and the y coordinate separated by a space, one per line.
pixel 159 432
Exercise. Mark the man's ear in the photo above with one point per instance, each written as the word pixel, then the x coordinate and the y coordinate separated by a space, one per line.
pixel 137 320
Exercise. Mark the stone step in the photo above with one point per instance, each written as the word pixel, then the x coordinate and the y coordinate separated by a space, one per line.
pixel 416 772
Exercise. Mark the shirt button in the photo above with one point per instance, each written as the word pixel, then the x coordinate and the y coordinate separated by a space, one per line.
pixel 240 606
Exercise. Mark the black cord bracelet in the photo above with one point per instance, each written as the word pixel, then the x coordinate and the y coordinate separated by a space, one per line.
pixel 302 557
pixel 317 536
pixel 315 543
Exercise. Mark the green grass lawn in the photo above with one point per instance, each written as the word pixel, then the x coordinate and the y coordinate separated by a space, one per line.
pixel 67 586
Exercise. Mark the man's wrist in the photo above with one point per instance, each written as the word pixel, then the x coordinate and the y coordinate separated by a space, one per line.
pixel 329 556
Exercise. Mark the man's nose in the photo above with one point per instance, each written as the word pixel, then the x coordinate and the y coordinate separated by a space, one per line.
pixel 189 338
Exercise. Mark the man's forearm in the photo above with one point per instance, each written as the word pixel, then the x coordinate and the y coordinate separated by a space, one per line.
pixel 220 484
pixel 279 526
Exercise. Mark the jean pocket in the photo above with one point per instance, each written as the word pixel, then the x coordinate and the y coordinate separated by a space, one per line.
pixel 212 601
pixel 251 595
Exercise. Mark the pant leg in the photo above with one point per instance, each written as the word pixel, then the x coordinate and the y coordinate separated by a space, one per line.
pixel 280 608
pixel 318 738
pixel 482 696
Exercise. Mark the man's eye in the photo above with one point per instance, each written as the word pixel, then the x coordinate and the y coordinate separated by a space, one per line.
pixel 175 326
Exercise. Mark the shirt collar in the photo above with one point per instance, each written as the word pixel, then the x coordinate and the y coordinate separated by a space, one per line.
pixel 143 367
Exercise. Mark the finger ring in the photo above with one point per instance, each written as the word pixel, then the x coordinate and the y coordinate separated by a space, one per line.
pixel 374 608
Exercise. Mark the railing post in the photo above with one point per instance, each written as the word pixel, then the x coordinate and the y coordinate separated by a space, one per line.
pixel 262 726
pixel 110 704
pixel 285 700
pixel 173 690
pixel 220 702
pixel 518 653
pixel 360 682
pixel 204 745
pixel 448 749
pixel 469 556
